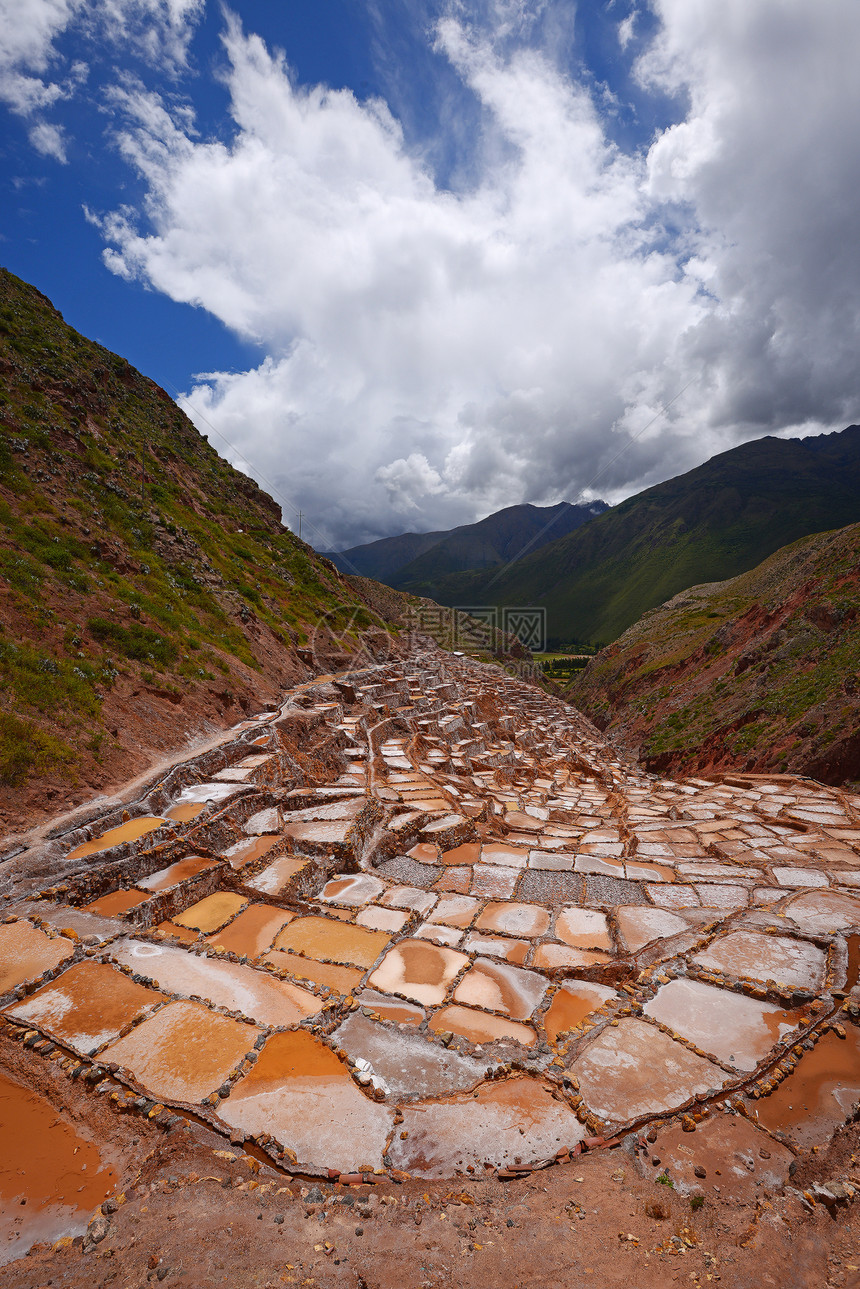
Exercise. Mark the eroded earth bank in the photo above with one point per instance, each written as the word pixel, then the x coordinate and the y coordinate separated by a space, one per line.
pixel 412 980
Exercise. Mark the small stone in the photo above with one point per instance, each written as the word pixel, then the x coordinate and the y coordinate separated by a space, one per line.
pixel 699 1171
pixel 97 1229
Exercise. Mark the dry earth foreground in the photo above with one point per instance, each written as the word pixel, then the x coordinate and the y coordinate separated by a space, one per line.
pixel 458 965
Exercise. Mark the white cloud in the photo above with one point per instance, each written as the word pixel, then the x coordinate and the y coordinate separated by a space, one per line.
pixel 768 159
pixel 443 354
pixel 48 139
pixel 408 480
pixel 488 334
pixel 625 28
pixel 34 76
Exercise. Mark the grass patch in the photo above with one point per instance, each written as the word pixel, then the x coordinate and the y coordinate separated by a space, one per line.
pixel 26 750
pixel 137 642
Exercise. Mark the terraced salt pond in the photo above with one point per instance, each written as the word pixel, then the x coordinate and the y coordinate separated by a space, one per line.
pixel 471 939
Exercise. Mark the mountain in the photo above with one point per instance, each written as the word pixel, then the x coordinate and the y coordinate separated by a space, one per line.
pixel 757 673
pixel 149 593
pixel 414 561
pixel 382 559
pixel 712 523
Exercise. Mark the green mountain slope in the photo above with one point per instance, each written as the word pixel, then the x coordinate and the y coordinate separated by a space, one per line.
pixel 148 590
pixel 382 559
pixel 760 672
pixel 714 522
pixel 413 561
pixel 506 535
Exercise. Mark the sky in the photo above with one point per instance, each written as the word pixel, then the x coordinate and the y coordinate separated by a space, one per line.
pixel 407 262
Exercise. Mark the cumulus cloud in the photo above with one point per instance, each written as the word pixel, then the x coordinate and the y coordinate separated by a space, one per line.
pixel 408 480
pixel 489 333
pixel 438 354
pixel 768 160
pixel 34 76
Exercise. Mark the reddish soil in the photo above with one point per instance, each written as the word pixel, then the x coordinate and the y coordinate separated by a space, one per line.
pixel 596 1221
pixel 706 1196
pixel 758 673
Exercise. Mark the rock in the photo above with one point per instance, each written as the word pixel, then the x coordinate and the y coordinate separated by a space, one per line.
pixel 831 1194
pixel 96 1231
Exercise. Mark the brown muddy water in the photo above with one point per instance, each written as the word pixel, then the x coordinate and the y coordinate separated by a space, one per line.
pixel 51 1178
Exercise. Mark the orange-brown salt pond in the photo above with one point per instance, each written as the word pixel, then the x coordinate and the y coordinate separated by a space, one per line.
pixel 132 830
pixel 211 913
pixel 27 953
pixel 818 1094
pixel 116 903
pixel 87 1005
pixel 253 931
pixel 301 1093
pixel 184 1051
pixel 186 811
pixel 324 938
pixel 572 1004
pixel 51 1178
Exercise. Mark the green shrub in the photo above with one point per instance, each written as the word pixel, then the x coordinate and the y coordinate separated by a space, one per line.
pixel 137 642
pixel 25 750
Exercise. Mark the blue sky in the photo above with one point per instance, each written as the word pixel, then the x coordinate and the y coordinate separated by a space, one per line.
pixel 410 262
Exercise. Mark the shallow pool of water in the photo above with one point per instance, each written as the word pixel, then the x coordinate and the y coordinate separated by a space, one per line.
pixel 51 1177
pixel 815 1098
pixel 132 830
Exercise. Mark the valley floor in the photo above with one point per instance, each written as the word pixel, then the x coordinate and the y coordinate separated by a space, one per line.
pixel 413 979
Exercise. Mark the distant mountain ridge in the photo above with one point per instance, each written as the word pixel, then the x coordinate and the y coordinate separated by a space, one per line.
pixel 382 559
pixel 712 523
pixel 413 561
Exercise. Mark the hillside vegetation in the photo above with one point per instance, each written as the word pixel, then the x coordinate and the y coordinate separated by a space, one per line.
pixel 148 590
pixel 761 672
pixel 712 523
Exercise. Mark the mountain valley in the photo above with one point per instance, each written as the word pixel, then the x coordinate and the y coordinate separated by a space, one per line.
pixel 712 523
pixel 335 941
